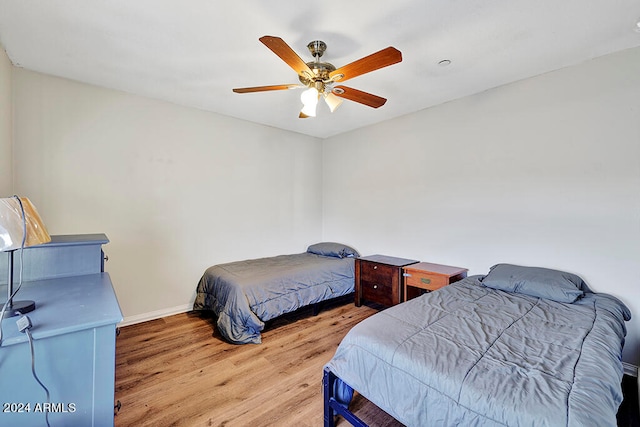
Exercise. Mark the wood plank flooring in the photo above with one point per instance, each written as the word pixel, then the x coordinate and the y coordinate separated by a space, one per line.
pixel 178 371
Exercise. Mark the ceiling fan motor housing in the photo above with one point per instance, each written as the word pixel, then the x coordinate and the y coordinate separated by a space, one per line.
pixel 321 70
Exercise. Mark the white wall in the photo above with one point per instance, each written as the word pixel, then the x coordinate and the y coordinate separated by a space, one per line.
pixel 175 189
pixel 542 172
pixel 6 182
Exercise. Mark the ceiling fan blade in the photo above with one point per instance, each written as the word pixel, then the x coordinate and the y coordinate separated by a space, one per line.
pixel 356 95
pixel 375 61
pixel 265 88
pixel 282 49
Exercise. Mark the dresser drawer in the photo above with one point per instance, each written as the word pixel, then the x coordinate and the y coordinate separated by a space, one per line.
pixel 426 280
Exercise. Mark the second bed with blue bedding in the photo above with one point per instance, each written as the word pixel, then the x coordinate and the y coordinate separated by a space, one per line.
pixel 521 346
pixel 245 294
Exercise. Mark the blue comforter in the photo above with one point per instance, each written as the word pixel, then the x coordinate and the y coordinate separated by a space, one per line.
pixel 245 294
pixel 470 355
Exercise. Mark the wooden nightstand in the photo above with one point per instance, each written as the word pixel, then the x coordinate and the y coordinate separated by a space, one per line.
pixel 378 278
pixel 427 277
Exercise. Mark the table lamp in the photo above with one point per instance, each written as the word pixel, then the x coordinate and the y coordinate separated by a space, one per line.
pixel 20 227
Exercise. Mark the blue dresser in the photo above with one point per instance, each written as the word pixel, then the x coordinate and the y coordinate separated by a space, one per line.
pixel 74 331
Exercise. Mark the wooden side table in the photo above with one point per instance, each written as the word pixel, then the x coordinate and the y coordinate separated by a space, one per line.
pixel 426 277
pixel 378 278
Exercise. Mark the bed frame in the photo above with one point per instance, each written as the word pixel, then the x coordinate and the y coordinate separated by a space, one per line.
pixel 332 407
pixel 316 308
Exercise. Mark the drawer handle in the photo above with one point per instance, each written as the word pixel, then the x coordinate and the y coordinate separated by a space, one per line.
pixel 375 286
pixel 375 267
pixel 425 281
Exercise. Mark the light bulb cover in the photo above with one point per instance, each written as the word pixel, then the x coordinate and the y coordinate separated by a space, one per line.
pixel 309 100
pixel 332 101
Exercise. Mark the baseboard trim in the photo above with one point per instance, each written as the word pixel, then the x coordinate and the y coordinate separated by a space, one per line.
pixel 153 315
pixel 630 369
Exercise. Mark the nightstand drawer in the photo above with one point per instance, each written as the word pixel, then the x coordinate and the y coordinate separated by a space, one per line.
pixel 426 280
pixel 426 277
pixel 377 291
pixel 373 272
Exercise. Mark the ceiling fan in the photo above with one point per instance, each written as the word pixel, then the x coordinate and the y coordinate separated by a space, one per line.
pixel 320 78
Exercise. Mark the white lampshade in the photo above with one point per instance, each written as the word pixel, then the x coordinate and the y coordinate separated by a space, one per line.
pixel 12 224
pixel 20 227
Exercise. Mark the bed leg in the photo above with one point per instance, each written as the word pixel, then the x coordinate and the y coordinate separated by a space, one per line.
pixel 328 379
pixel 332 407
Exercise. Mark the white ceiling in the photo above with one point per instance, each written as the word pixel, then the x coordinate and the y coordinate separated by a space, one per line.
pixel 194 52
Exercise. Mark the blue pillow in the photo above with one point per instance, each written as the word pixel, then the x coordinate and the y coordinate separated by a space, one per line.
pixel 535 281
pixel 337 250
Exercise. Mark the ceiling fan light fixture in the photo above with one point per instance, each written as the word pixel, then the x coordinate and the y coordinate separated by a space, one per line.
pixel 309 100
pixel 332 101
pixel 319 77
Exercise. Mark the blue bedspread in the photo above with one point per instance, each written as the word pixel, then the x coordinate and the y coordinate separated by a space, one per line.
pixel 470 355
pixel 245 294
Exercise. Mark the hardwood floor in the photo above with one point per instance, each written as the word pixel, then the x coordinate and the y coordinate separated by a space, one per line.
pixel 177 371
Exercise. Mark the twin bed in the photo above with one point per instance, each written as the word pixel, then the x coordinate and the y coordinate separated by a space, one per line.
pixel 245 294
pixel 520 346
